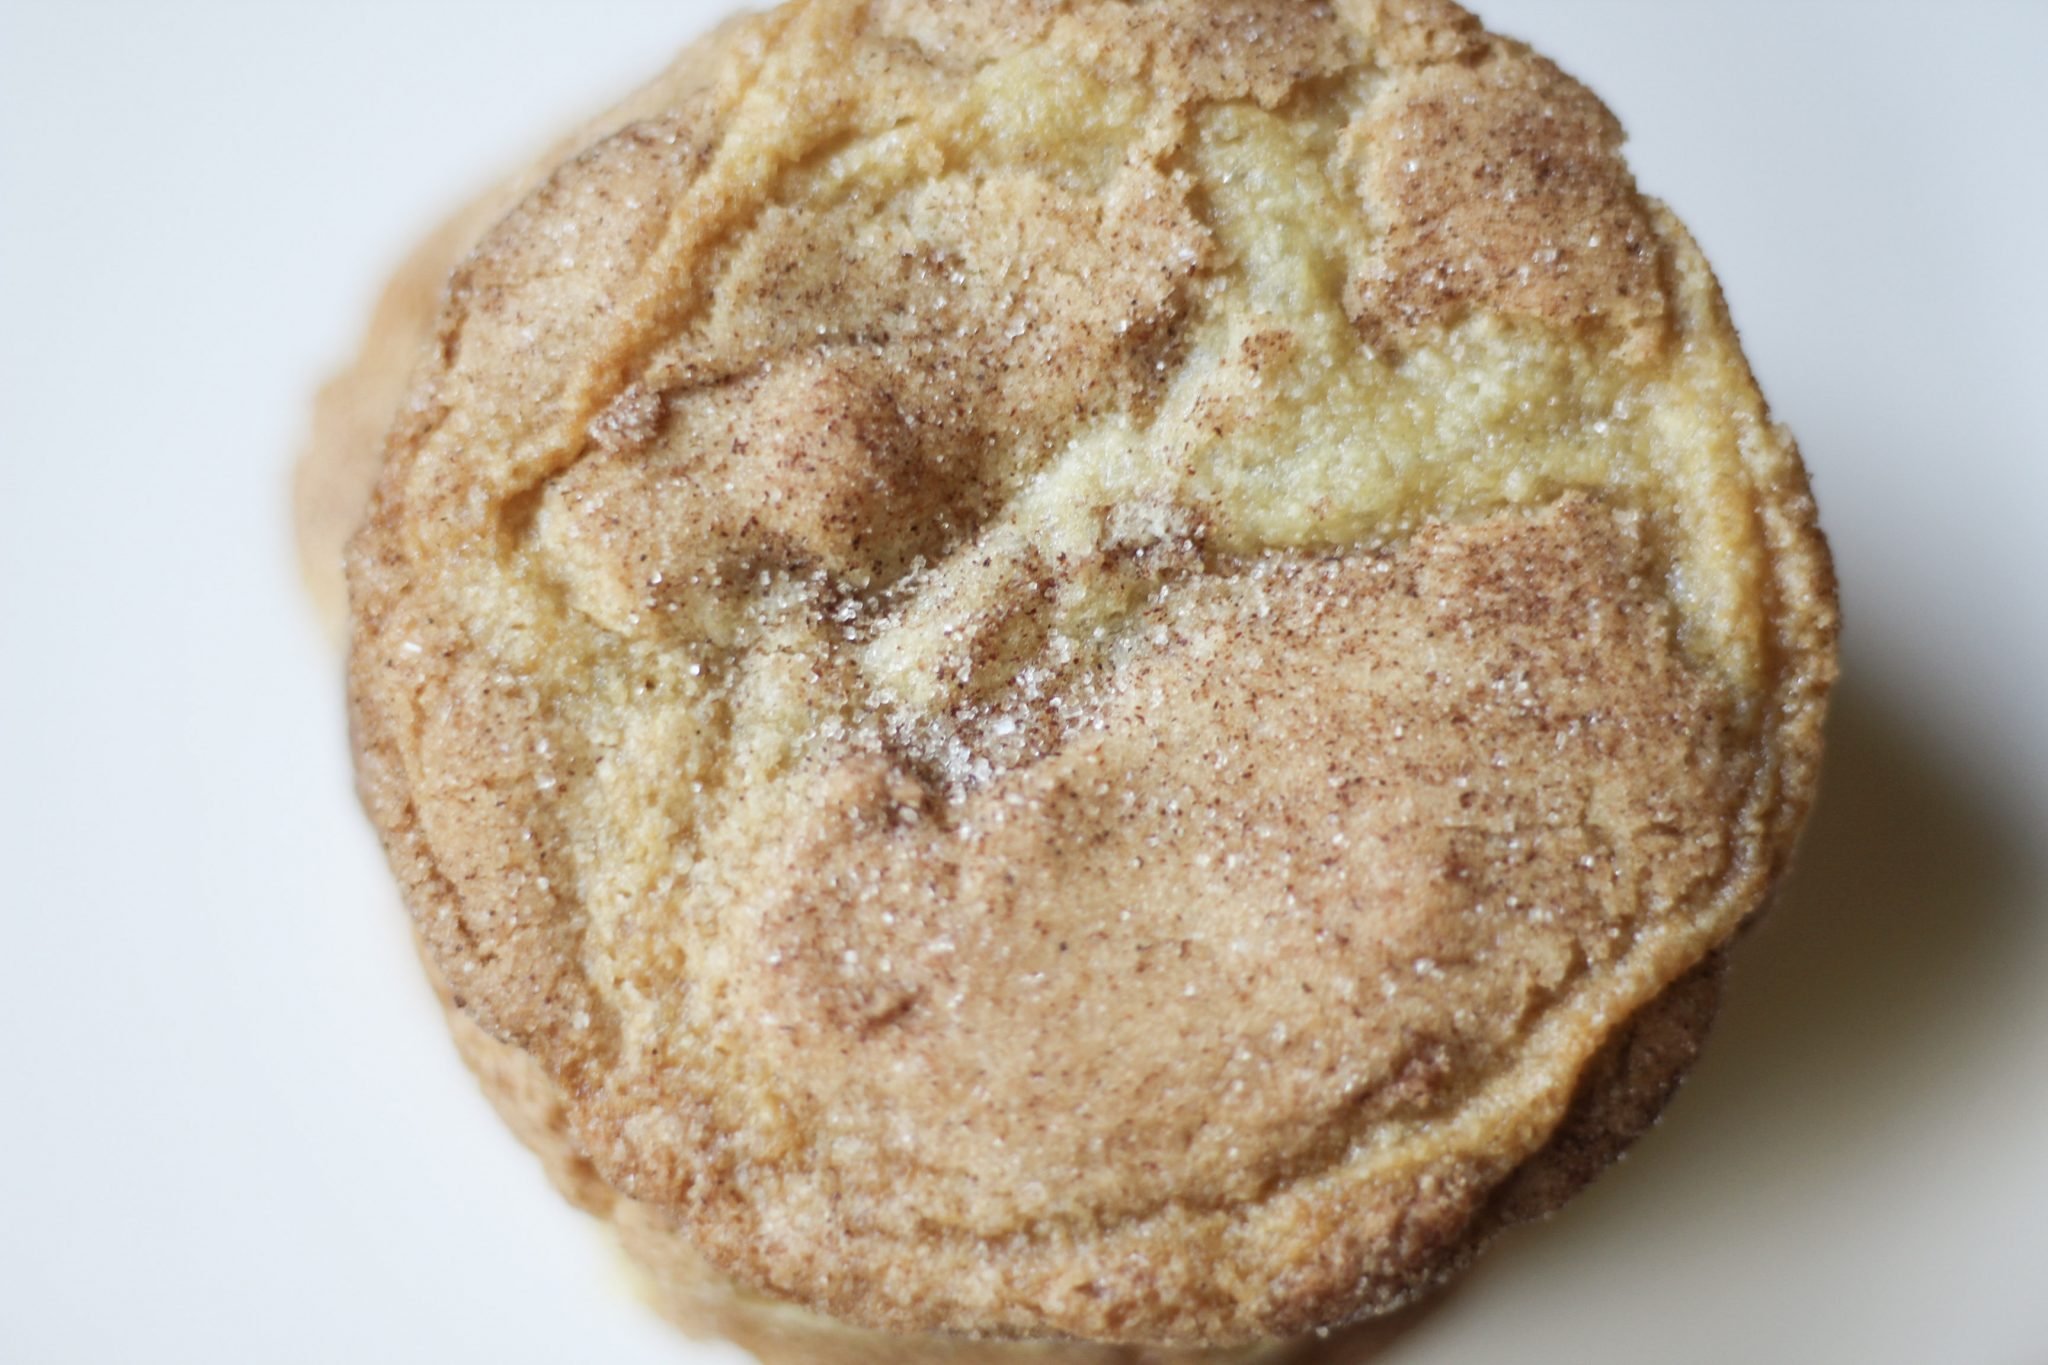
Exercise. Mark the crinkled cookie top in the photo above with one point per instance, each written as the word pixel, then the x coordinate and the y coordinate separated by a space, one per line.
pixel 1066 661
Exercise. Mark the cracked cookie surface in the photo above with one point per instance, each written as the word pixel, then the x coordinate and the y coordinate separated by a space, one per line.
pixel 1066 664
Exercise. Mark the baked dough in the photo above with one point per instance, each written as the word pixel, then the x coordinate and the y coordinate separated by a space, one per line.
pixel 1078 671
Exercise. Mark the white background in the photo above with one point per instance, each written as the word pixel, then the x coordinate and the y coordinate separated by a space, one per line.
pixel 231 1128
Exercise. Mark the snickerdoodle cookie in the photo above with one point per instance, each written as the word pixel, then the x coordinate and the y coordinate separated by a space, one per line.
pixel 1079 670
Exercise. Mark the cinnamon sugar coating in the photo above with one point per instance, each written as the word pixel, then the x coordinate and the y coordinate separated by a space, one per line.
pixel 1065 670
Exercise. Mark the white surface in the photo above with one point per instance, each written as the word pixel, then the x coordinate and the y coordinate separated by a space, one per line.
pixel 232 1128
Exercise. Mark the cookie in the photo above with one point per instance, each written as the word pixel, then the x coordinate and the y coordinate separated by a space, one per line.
pixel 1086 672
